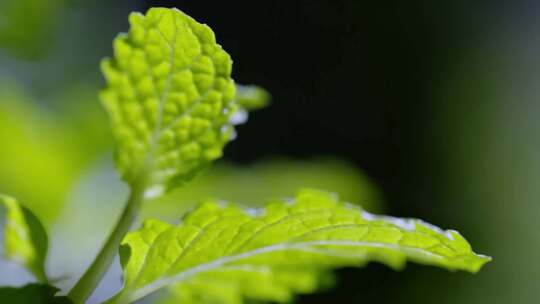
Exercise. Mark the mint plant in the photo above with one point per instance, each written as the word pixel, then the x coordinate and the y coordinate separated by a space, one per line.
pixel 173 105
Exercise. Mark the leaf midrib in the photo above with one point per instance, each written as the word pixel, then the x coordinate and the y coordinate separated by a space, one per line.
pixel 301 246
pixel 165 93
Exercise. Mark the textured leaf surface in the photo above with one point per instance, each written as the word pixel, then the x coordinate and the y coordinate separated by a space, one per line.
pixel 170 97
pixel 25 238
pixel 273 253
pixel 32 293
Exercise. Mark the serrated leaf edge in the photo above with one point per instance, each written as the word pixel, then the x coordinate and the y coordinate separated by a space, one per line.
pixel 309 246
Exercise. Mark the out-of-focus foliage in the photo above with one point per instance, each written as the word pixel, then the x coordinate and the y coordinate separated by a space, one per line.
pixel 44 153
pixel 32 293
pixel 253 185
pixel 27 26
pixel 25 238
pixel 274 252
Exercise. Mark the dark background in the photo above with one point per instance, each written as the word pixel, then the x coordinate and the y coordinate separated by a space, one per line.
pixel 353 79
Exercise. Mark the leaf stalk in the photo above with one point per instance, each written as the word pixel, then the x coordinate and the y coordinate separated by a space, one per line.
pixel 95 272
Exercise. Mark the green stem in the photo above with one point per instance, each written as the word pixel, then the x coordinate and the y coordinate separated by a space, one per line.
pixel 93 275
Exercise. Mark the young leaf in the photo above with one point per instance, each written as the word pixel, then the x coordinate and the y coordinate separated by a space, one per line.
pixel 32 293
pixel 25 238
pixel 271 253
pixel 252 97
pixel 170 98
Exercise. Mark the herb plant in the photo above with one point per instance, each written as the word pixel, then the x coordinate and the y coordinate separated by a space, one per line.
pixel 173 105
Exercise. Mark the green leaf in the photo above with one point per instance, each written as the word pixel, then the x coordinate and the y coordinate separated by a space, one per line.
pixel 170 98
pixel 252 97
pixel 25 238
pixel 232 285
pixel 32 293
pixel 273 253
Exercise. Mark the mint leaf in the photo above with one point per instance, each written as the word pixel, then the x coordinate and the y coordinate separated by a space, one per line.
pixel 235 284
pixel 170 98
pixel 25 238
pixel 32 293
pixel 222 244
pixel 252 97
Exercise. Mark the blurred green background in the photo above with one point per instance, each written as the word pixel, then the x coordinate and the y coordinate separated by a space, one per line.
pixel 419 109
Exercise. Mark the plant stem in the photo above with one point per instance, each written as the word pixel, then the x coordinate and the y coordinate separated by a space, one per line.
pixel 93 275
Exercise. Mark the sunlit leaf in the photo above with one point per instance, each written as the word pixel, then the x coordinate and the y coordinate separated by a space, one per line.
pixel 259 252
pixel 170 98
